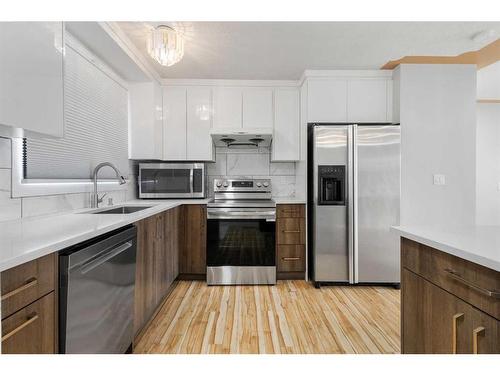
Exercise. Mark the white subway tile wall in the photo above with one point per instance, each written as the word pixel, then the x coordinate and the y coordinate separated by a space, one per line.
pixel 15 208
pixel 234 163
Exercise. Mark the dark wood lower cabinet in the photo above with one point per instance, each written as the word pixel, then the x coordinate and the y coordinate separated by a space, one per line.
pixel 430 314
pixel 29 307
pixel 434 319
pixel 159 239
pixel 31 330
pixel 27 282
pixel 193 262
pixel 290 241
pixel 291 258
pixel 173 243
pixel 145 291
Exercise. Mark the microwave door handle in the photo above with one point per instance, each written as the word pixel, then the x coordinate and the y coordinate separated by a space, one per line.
pixel 191 179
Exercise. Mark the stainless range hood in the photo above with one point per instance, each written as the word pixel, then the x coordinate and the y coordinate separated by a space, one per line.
pixel 239 138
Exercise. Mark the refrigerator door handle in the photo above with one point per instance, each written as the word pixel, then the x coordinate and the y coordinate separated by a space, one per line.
pixel 355 202
pixel 350 200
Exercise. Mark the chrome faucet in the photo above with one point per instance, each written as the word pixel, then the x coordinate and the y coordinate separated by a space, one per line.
pixel 119 177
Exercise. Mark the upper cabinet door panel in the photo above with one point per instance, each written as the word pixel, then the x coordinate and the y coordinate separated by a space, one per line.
pixel 158 121
pixel 146 124
pixel 367 100
pixel 31 78
pixel 227 107
pixel 199 119
pixel 174 123
pixel 327 100
pixel 285 146
pixel 257 108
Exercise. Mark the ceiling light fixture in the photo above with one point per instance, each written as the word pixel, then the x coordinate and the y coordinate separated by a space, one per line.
pixel 165 45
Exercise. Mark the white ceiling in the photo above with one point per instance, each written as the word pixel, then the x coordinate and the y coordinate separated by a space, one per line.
pixel 283 50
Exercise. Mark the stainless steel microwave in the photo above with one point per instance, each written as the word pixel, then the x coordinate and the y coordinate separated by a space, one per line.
pixel 172 180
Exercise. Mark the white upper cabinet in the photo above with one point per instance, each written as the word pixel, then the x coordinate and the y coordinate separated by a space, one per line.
pixel 257 108
pixel 199 120
pixel 31 79
pixel 367 100
pixel 227 107
pixel 237 107
pixel 146 121
pixel 187 118
pixel 174 123
pixel 285 145
pixel 327 100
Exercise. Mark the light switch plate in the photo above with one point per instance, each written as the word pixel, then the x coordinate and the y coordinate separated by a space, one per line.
pixel 439 179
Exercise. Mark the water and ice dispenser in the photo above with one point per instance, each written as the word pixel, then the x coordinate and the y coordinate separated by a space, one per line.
pixel 331 185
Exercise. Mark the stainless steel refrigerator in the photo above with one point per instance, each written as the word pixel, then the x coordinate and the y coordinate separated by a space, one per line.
pixel 353 200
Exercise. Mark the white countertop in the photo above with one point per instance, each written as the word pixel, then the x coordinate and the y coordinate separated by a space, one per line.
pixel 289 200
pixel 27 239
pixel 478 244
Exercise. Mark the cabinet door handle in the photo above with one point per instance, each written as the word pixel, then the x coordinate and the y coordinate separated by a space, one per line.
pixel 291 231
pixel 29 283
pixel 456 276
pixel 286 259
pixel 21 327
pixel 475 333
pixel 456 317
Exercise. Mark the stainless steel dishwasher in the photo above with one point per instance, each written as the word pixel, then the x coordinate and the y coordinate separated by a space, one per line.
pixel 97 282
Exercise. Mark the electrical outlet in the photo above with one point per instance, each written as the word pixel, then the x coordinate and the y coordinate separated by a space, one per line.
pixel 439 179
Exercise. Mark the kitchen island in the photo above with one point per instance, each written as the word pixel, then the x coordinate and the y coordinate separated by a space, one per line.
pixel 450 289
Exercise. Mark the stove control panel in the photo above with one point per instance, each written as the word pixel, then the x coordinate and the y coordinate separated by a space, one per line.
pixel 242 185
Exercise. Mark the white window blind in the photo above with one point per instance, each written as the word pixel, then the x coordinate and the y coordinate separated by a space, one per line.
pixel 96 127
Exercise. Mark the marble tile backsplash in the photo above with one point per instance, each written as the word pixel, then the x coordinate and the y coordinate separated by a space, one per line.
pixel 15 208
pixel 254 164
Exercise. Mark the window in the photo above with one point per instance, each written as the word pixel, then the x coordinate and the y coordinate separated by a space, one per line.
pixel 96 130
pixel 95 112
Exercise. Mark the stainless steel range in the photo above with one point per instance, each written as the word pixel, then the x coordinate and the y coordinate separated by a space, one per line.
pixel 241 233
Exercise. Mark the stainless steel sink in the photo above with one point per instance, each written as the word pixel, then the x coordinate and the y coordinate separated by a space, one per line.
pixel 119 210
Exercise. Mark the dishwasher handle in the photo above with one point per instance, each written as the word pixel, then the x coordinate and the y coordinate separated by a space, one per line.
pixel 111 253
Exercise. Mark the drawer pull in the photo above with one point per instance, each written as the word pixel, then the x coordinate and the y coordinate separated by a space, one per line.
pixel 291 231
pixel 456 317
pixel 286 259
pixel 475 333
pixel 21 327
pixel 29 283
pixel 456 276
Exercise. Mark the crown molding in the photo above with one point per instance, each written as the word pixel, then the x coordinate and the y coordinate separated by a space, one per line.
pixel 117 34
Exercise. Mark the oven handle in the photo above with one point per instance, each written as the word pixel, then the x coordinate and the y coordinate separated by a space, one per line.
pixel 234 215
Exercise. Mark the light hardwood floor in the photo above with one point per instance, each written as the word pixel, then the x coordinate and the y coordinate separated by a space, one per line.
pixel 291 317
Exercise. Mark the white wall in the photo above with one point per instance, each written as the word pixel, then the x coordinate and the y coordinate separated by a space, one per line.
pixel 488 147
pixel 488 82
pixel 438 126
pixel 488 164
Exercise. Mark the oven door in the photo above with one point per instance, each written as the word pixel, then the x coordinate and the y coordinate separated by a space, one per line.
pixel 165 180
pixel 241 250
